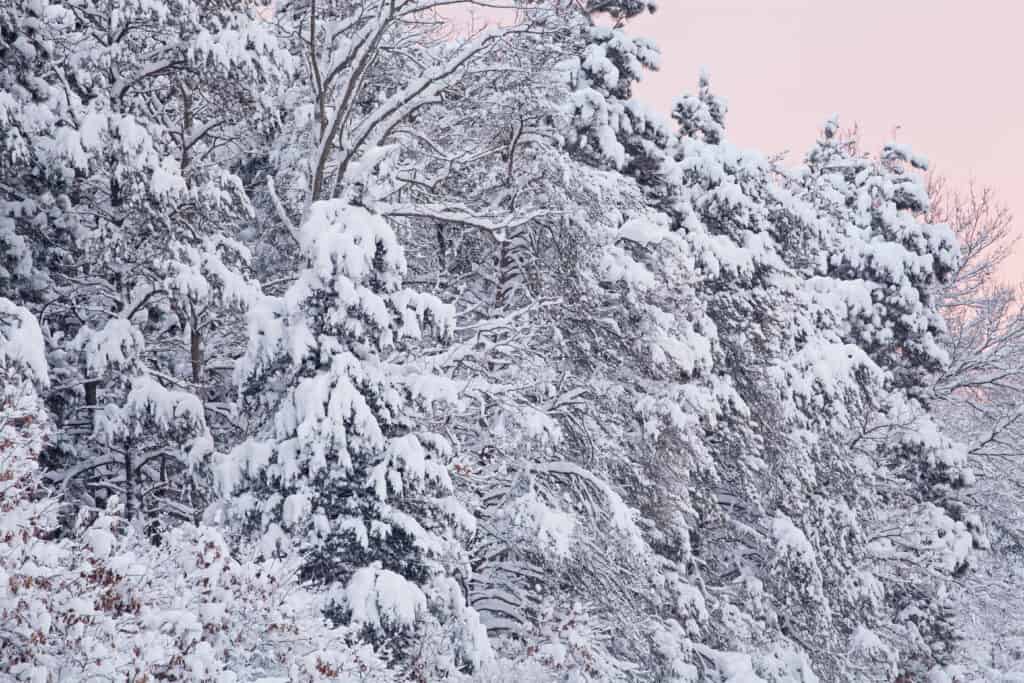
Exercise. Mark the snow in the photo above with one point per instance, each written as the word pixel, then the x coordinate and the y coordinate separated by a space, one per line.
pixel 645 231
pixel 620 514
pixel 356 527
pixel 166 178
pixel 866 641
pixel 790 539
pixel 21 341
pixel 618 266
pixel 408 453
pixel 553 527
pixel 167 408
pixel 101 541
pixel 115 345
pixel 735 667
pixel 378 597
pixel 295 509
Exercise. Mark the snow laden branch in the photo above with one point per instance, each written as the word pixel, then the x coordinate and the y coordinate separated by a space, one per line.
pixel 496 224
pixel 344 134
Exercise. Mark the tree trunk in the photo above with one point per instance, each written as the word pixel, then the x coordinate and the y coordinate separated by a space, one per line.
pixel 129 486
pixel 196 349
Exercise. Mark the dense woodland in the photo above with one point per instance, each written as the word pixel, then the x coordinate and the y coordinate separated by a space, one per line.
pixel 342 341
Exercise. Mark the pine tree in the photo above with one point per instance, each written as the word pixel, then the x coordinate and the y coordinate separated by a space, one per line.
pixel 342 476
pixel 129 211
pixel 881 269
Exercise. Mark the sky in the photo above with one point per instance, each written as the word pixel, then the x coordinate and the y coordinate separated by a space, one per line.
pixel 944 76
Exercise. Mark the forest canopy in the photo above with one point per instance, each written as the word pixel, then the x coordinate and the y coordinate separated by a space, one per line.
pixel 337 343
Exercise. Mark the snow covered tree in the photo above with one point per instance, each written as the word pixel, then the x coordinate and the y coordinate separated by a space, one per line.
pixel 884 243
pixel 104 602
pixel 882 270
pixel 128 207
pixel 545 345
pixel 609 127
pixel 977 398
pixel 784 538
pixel 977 393
pixel 342 476
pixel 32 195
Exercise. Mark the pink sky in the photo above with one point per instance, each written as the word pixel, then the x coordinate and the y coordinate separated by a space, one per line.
pixel 947 73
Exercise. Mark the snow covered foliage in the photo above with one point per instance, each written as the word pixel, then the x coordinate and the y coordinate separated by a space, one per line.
pixel 342 477
pixel 30 109
pixel 340 343
pixel 609 126
pixel 883 241
pixel 883 267
pixel 110 605
pixel 784 537
pixel 105 603
pixel 978 398
pixel 120 116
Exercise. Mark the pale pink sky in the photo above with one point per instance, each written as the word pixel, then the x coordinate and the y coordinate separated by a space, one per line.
pixel 948 73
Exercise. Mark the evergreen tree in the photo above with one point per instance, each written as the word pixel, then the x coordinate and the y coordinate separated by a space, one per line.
pixel 882 267
pixel 342 476
pixel 128 209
